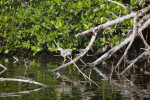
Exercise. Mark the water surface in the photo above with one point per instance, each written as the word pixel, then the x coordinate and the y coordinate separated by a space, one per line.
pixel 68 84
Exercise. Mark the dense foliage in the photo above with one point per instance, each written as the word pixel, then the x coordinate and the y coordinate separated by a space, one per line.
pixel 34 24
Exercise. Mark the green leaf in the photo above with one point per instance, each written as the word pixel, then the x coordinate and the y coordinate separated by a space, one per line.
pixel 79 4
pixel 53 46
pixel 5 19
pixel 6 51
pixel 96 9
pixel 131 22
pixel 102 19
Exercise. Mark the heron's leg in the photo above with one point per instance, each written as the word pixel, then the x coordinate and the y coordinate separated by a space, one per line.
pixel 71 57
pixel 64 60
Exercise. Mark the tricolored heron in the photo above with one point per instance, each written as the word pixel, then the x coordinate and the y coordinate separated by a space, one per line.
pixel 64 52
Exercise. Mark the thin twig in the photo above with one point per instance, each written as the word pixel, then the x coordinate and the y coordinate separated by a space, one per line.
pixel 83 62
pixel 132 39
pixel 3 71
pixel 119 46
pixel 83 73
pixel 116 21
pixel 12 94
pixel 135 60
pixel 81 54
pixel 144 18
pixel 118 4
pixel 144 41
pixel 90 76
pixel 56 44
pixel 113 14
pixel 23 80
pixel 3 66
pixel 16 59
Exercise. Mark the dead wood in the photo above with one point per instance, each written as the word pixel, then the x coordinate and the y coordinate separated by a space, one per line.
pixel 3 67
pixel 80 55
pixel 23 80
pixel 125 85
pixel 131 41
pixel 118 4
pixel 119 46
pixel 116 47
pixel 1 72
pixel 12 94
pixel 116 21
pixel 145 53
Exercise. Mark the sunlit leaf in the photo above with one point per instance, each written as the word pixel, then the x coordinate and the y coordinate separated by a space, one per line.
pixel 79 4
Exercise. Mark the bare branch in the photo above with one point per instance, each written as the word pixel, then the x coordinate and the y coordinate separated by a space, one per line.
pixel 118 4
pixel 80 55
pixel 3 66
pixel 12 94
pixel 84 74
pixel 132 39
pixel 3 71
pixel 113 14
pixel 144 25
pixel 144 41
pixel 116 21
pixel 145 18
pixel 146 53
pixel 16 59
pixel 118 46
pixel 140 2
pixel 23 80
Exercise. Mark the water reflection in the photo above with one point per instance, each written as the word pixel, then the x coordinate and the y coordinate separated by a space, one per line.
pixel 79 85
pixel 64 89
pixel 2 71
pixel 68 83
pixel 12 94
pixel 126 86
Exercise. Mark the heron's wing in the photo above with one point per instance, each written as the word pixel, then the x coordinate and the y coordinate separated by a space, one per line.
pixel 66 52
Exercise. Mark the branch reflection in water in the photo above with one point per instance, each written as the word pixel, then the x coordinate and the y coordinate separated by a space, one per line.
pixel 21 92
pixel 125 86
pixel 80 85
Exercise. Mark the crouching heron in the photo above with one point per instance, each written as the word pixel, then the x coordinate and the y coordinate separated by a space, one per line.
pixel 64 53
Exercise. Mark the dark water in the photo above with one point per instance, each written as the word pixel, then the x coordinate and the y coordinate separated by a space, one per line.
pixel 68 84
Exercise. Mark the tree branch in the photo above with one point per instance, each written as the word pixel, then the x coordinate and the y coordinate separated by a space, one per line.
pixel 116 21
pixel 146 53
pixel 3 66
pixel 118 4
pixel 132 39
pixel 23 80
pixel 80 55
pixel 120 45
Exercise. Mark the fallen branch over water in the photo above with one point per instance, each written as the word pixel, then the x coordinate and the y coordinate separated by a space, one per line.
pixel 113 22
pixel 140 27
pixel 12 94
pixel 145 53
pixel 80 55
pixel 130 43
pixel 119 46
pixel 23 80
pixel 20 92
